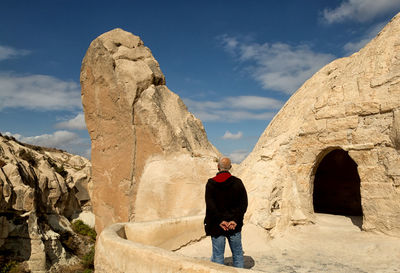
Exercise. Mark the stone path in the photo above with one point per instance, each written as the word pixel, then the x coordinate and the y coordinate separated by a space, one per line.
pixel 333 244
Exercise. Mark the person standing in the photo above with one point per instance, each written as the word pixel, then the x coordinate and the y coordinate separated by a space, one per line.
pixel 226 204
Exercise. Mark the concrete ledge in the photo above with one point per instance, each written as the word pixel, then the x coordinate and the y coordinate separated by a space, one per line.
pixel 145 247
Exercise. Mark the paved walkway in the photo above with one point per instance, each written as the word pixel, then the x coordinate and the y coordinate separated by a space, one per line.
pixel 333 244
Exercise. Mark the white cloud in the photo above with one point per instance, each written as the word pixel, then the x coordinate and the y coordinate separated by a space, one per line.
pixel 277 66
pixel 9 52
pixel 234 109
pixel 233 116
pixel 57 139
pixel 355 46
pixel 64 140
pixel 359 10
pixel 76 123
pixel 238 156
pixel 253 102
pixel 229 135
pixel 239 102
pixel 230 43
pixel 38 92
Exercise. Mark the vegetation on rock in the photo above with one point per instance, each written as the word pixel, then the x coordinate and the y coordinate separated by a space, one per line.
pixel 59 169
pixel 81 228
pixel 88 260
pixel 81 244
pixel 13 267
pixel 28 156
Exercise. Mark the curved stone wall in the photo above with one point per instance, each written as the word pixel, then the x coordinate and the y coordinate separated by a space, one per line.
pixel 147 247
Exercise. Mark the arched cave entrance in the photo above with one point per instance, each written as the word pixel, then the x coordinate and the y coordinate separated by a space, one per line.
pixel 337 185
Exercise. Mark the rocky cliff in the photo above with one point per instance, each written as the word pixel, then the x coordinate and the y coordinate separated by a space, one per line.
pixel 41 191
pixel 150 156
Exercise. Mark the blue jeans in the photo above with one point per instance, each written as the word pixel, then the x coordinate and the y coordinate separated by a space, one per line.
pixel 235 243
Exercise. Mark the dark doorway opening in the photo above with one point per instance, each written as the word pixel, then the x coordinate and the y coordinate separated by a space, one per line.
pixel 337 185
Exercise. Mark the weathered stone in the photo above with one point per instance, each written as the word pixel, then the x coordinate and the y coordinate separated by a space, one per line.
pixel 365 155
pixel 338 124
pixel 313 127
pixel 38 202
pixel 371 134
pixel 350 105
pixel 395 132
pixel 338 110
pixel 334 111
pixel 334 138
pixel 148 151
pixel 375 190
pixel 87 217
pixel 180 196
pixel 129 254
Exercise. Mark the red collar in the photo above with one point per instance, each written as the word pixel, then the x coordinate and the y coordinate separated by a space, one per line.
pixel 221 177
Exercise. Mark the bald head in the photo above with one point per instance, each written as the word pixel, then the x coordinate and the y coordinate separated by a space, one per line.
pixel 224 164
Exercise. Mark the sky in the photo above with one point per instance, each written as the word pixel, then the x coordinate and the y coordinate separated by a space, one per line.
pixel 234 63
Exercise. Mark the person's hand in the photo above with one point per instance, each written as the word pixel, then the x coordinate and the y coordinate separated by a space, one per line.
pixel 232 225
pixel 224 225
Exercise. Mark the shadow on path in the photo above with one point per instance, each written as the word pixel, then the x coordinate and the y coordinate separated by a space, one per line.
pixel 248 262
pixel 357 221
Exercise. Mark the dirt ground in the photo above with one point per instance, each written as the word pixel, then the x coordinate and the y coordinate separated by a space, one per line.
pixel 334 244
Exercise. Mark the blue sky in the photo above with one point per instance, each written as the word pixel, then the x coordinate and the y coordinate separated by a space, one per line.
pixel 234 63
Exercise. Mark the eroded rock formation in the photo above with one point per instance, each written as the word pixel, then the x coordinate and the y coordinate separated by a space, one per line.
pixel 333 147
pixel 41 190
pixel 351 108
pixel 150 156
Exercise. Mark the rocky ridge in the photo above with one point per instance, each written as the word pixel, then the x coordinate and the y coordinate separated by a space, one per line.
pixel 41 191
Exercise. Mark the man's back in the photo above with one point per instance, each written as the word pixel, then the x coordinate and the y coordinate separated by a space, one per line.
pixel 226 204
pixel 226 200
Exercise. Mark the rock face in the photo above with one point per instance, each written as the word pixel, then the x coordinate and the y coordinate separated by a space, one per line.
pixel 150 156
pixel 40 191
pixel 334 147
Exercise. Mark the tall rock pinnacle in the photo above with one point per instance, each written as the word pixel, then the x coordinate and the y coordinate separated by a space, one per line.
pixel 150 156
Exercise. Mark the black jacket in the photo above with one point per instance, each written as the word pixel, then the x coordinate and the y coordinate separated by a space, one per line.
pixel 226 200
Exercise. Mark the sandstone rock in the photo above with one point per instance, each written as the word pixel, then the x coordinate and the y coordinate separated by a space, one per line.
pixel 395 132
pixel 38 189
pixel 148 151
pixel 87 217
pixel 352 105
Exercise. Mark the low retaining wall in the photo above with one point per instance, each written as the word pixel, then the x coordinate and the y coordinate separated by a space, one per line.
pixel 146 247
